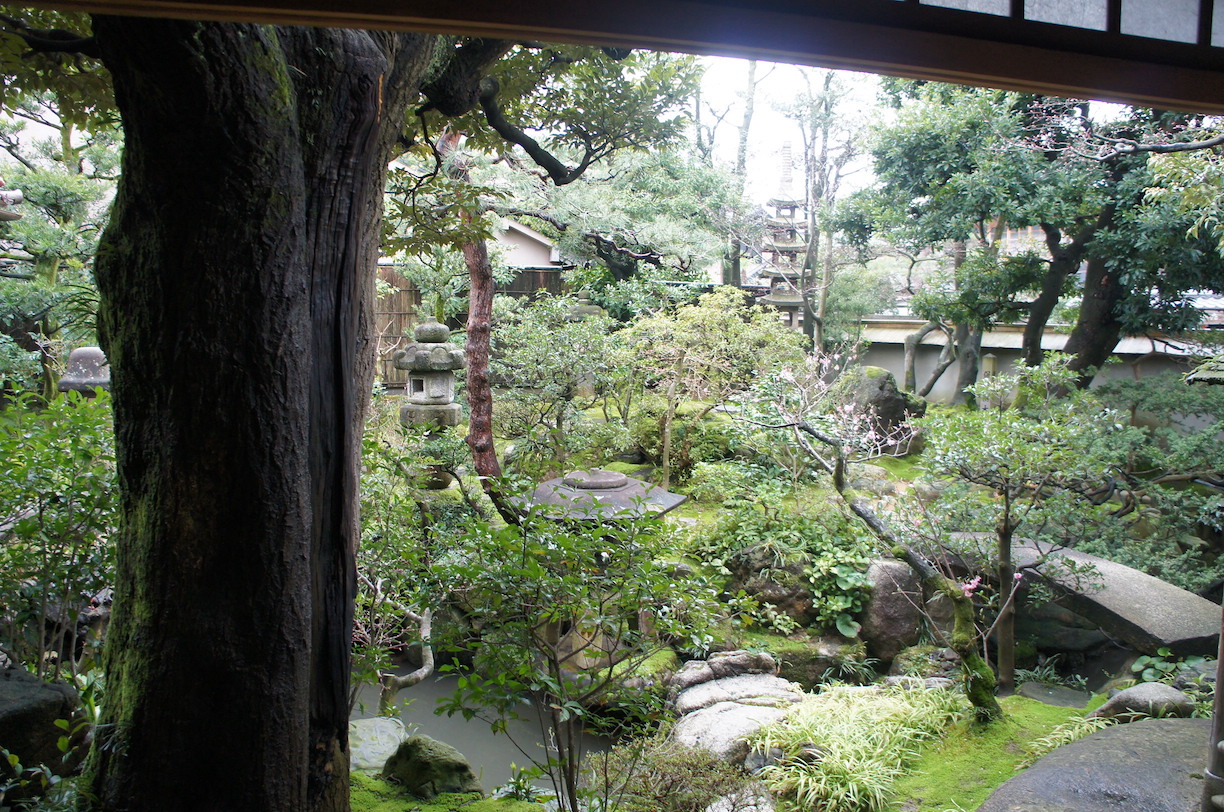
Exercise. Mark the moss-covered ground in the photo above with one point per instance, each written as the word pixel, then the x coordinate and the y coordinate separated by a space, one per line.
pixel 905 468
pixel 369 794
pixel 958 772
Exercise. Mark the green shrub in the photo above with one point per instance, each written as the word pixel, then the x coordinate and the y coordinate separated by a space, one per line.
pixel 708 439
pixel 722 481
pixel 835 553
pixel 659 775
pixel 58 506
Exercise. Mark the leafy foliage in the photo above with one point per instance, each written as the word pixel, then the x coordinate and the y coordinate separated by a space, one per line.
pixel 58 510
pixel 402 535
pixel 834 551
pixel 554 366
pixel 47 296
pixel 556 604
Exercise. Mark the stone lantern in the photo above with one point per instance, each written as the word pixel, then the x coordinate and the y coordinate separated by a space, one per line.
pixel 87 370
pixel 431 363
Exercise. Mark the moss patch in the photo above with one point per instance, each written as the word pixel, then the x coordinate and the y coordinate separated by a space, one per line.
pixel 642 472
pixel 960 771
pixel 375 795
pixel 657 665
pixel 905 468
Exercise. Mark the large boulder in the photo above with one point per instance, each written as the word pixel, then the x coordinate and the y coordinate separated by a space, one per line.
pixel 1146 612
pixel 1151 766
pixel 892 619
pixel 1054 629
pixel 757 571
pixel 1147 699
pixel 29 709
pixel 873 391
pixel 427 767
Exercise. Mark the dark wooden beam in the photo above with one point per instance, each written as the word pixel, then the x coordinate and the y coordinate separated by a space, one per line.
pixel 884 36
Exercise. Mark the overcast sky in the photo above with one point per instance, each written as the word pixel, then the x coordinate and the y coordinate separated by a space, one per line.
pixel 724 86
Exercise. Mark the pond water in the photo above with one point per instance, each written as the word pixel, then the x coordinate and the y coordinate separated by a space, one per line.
pixel 490 754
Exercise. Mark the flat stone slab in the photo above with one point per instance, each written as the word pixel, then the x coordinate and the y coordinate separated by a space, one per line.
pixel 723 729
pixel 1058 695
pixel 746 689
pixel 1146 612
pixel 1155 765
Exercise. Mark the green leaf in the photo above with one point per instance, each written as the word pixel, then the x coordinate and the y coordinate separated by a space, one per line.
pixel 847 626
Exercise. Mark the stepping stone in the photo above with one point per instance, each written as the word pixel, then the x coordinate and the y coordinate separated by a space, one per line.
pixel 1059 695
pixel 724 728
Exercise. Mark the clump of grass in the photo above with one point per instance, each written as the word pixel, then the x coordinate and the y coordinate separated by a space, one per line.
pixel 844 749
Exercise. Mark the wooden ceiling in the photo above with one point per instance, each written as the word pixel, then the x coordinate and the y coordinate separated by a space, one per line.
pixel 898 37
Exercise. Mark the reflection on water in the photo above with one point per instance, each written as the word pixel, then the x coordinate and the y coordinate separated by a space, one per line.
pixel 490 754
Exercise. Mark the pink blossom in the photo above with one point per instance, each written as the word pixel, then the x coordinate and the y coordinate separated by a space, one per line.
pixel 969 586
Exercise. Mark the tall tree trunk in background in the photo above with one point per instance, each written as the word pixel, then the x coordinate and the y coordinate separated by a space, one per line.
pixel 1097 331
pixel 734 275
pixel 236 280
pixel 1065 262
pixel 969 352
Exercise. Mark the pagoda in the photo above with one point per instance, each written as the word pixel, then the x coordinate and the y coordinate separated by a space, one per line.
pixel 785 245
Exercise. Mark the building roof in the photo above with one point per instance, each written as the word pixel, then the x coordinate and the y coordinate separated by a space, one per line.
pixel 1209 372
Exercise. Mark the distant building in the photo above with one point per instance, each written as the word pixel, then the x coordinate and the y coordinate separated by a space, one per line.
pixel 1140 356
pixel 533 255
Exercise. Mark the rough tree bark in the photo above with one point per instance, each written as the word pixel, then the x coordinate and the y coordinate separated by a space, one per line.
pixel 235 289
pixel 1097 331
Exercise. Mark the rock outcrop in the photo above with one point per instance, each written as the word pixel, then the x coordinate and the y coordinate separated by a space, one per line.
pixel 29 708
pixel 1146 612
pixel 1147 699
pixel 373 741
pixel 892 618
pixel 1155 765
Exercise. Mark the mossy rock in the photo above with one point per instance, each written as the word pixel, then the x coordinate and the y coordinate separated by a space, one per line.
pixel 369 794
pixel 926 661
pixel 812 660
pixel 427 767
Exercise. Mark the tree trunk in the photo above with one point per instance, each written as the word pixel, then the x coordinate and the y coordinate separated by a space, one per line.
pixel 1097 330
pixel 969 345
pixel 1005 626
pixel 911 354
pixel 1065 261
pixel 235 282
pixel 668 422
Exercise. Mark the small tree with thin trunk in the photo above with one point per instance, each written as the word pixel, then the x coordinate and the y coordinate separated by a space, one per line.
pixel 565 610
pixel 798 400
pixel 1037 454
